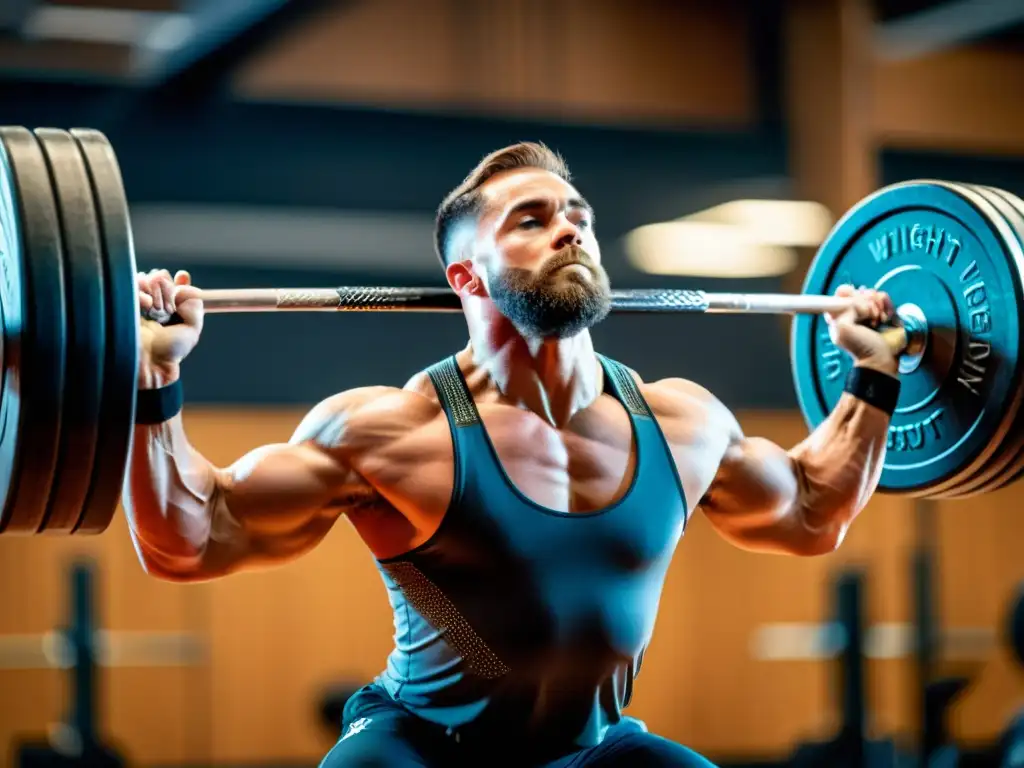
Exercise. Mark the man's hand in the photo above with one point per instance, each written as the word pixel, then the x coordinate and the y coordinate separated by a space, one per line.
pixel 165 346
pixel 854 330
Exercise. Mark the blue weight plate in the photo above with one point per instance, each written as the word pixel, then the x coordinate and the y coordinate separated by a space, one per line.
pixel 1006 461
pixel 947 251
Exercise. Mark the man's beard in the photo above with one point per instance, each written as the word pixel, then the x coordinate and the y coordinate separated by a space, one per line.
pixel 553 303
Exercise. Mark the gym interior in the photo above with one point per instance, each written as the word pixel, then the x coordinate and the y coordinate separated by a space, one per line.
pixel 307 143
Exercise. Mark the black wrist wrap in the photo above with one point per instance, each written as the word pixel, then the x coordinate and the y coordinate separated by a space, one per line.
pixel 874 387
pixel 155 406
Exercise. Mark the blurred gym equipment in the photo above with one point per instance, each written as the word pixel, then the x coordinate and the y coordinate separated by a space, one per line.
pixel 846 641
pixel 82 649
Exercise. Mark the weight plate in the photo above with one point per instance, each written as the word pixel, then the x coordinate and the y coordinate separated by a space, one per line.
pixel 1000 464
pixel 32 302
pixel 117 409
pixel 1012 472
pixel 944 250
pixel 85 299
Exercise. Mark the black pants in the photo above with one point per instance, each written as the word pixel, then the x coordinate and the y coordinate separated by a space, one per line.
pixel 378 733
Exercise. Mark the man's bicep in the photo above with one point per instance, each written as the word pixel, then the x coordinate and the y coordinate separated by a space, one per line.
pixel 756 480
pixel 274 486
pixel 272 505
pixel 753 485
pixel 755 477
pixel 284 488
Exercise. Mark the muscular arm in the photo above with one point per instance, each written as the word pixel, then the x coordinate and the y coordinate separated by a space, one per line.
pixel 193 521
pixel 803 500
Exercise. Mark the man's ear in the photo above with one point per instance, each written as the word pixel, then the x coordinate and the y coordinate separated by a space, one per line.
pixel 463 279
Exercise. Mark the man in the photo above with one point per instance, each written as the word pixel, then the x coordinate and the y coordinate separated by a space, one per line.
pixel 522 499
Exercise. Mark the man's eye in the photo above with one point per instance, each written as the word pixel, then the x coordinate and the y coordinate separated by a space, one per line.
pixel 528 222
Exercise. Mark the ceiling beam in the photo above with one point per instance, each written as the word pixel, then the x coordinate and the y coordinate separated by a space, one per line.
pixel 944 26
pixel 204 38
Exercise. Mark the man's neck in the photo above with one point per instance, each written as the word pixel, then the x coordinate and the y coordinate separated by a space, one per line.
pixel 554 378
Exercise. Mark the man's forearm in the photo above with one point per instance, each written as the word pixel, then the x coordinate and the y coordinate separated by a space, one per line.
pixel 839 465
pixel 169 494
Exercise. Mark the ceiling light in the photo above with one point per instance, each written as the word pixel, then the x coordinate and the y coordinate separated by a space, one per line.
pixel 705 249
pixel 773 222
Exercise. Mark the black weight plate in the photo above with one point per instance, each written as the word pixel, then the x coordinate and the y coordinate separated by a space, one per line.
pixel 117 410
pixel 942 248
pixel 32 300
pixel 1001 463
pixel 85 300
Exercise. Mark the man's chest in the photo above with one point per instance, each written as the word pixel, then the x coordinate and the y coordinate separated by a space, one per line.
pixel 586 465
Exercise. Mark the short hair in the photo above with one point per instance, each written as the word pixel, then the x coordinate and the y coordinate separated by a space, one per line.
pixel 465 200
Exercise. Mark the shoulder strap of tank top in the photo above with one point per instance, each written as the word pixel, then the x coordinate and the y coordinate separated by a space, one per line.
pixel 453 393
pixel 458 403
pixel 662 472
pixel 624 387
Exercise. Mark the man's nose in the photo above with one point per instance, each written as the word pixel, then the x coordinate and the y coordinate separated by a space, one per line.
pixel 567 234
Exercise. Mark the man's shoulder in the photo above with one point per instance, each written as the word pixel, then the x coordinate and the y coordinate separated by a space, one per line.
pixel 678 398
pixel 417 393
pixel 368 410
pixel 670 393
pixel 678 391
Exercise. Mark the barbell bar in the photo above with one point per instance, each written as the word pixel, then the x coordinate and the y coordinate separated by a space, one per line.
pixel 908 332
pixel 370 299
pixel 949 255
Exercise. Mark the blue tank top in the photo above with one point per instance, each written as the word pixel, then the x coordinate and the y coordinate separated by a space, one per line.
pixel 528 620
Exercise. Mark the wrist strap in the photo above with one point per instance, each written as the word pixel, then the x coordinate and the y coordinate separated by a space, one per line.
pixel 155 406
pixel 873 387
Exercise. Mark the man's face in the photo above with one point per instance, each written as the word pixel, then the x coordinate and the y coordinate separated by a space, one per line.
pixel 536 248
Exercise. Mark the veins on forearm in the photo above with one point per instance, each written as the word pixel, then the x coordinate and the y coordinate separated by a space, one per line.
pixel 180 484
pixel 838 465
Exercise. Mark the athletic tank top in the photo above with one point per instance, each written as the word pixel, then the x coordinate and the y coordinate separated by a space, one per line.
pixel 522 619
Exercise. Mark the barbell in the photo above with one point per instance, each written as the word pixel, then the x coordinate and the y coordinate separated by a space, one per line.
pixel 950 256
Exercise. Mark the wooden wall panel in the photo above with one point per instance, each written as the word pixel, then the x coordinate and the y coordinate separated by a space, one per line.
pixel 605 60
pixel 278 638
pixel 963 100
pixel 387 51
pixel 653 60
